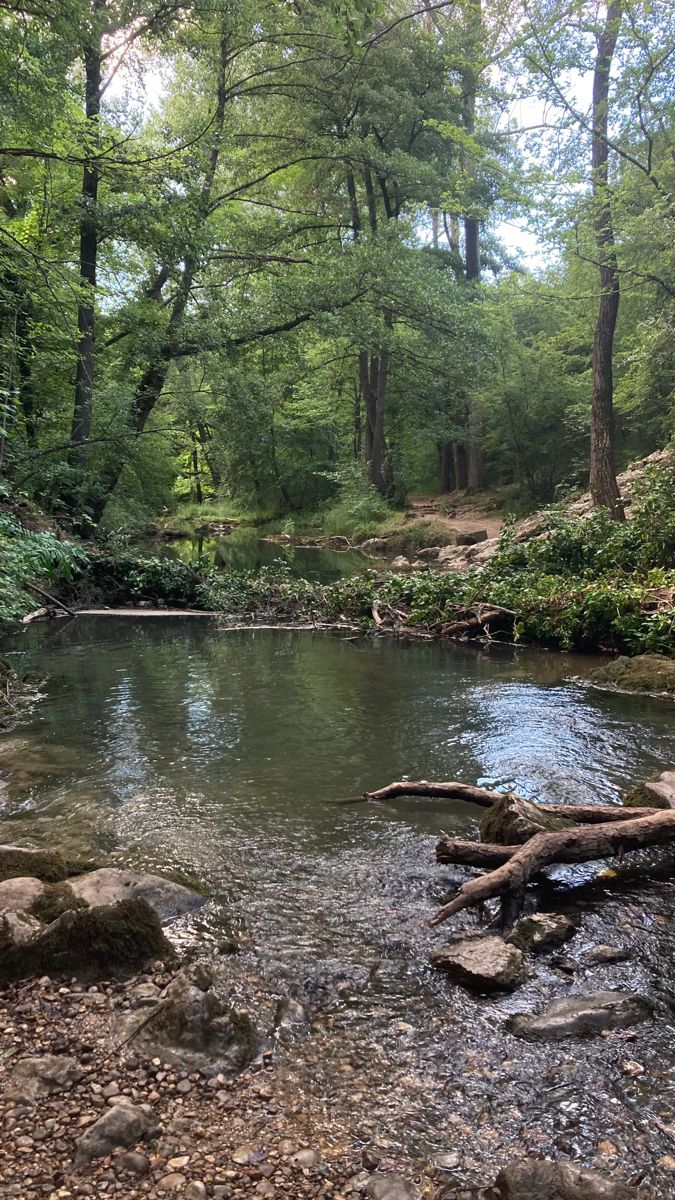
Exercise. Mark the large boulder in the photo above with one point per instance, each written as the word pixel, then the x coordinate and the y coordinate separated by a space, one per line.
pixel 581 1016
pixel 536 1179
pixel 33 1078
pixel 28 861
pixel 644 673
pixel 92 940
pixel 541 931
pixel 110 884
pixel 483 964
pixel 123 1124
pixel 193 1027
pixel 512 820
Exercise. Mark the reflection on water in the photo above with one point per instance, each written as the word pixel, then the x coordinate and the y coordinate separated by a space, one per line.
pixel 173 745
pixel 214 751
pixel 245 550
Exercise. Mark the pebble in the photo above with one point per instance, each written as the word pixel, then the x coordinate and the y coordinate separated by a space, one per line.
pixel 171 1182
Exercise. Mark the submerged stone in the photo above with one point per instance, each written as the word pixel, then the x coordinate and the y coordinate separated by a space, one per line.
pixel 483 964
pixel 110 884
pixel 535 1179
pixel 581 1016
pixel 542 931
pixel 389 1187
pixel 26 861
pixel 511 821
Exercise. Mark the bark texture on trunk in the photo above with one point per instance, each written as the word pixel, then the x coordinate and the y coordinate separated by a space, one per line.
pixel 459 465
pixel 603 485
pixel 86 309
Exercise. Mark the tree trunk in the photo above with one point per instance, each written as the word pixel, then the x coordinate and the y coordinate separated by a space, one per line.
pixel 86 309
pixel 603 485
pixel 469 91
pixel 444 466
pixel 459 464
pixel 205 443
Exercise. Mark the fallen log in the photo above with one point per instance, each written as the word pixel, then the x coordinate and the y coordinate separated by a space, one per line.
pixel 566 846
pixel 472 854
pixel 593 814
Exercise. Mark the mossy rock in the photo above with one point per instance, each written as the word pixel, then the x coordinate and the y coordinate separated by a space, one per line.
pixel 48 865
pixel 54 901
pixel 644 673
pixel 656 792
pixel 94 941
pixel 511 821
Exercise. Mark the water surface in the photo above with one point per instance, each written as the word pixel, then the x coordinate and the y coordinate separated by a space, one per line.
pixel 174 745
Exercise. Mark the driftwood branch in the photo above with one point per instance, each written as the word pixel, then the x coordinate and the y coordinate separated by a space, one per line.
pixel 566 846
pixel 32 587
pixel 592 814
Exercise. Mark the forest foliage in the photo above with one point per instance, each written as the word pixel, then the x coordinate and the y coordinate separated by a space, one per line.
pixel 264 253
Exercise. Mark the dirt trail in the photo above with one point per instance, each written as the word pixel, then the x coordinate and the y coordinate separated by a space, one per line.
pixel 455 511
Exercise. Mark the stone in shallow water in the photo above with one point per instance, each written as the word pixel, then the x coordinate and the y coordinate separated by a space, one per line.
pixel 541 931
pixel 193 1027
pixel 602 954
pixel 579 1016
pixel 389 1187
pixel 534 1179
pixel 483 964
pixel 109 884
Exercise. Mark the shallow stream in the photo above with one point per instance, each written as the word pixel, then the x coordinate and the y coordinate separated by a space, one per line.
pixel 173 745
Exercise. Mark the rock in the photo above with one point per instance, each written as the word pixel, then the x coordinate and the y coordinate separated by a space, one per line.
pixel 483 964
pixel 196 1190
pixel 171 1182
pixel 535 1179
pixel 578 1016
pixel 33 1078
pixel 446 1162
pixel 191 1026
pixel 473 538
pixel 17 930
pixel 541 931
pixel 109 885
pixel 374 546
pixel 291 1019
pixel 389 1187
pixel 20 892
pixel 511 821
pixel 306 1158
pixel 429 553
pixel 658 792
pixel 400 564
pixel 132 1163
pixel 96 940
pixel 248 1156
pixel 143 995
pixel 644 673
pixel 23 861
pixel 601 954
pixel 121 1125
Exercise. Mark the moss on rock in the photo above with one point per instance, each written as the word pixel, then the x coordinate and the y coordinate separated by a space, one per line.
pixel 19 861
pixel 511 821
pixel 94 941
pixel 644 673
pixel 54 901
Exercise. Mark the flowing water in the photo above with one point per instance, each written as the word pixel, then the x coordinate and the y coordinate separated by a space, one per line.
pixel 173 745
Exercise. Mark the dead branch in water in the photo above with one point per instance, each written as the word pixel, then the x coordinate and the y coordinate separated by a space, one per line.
pixel 592 814
pixel 565 846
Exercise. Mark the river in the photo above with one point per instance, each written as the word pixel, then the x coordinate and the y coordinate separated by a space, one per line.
pixel 173 745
